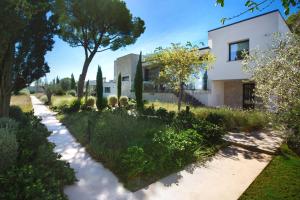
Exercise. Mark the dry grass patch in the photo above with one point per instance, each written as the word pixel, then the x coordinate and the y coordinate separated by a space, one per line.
pixel 23 101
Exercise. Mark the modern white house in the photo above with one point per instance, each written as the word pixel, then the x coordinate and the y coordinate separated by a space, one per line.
pixel 227 83
pixel 109 87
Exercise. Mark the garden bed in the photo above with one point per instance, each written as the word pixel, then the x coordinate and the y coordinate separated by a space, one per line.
pixel 141 150
pixel 29 169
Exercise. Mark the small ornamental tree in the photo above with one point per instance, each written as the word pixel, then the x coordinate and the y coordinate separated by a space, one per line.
pixel 138 84
pixel 119 88
pixel 99 89
pixel 96 26
pixel 178 64
pixel 73 82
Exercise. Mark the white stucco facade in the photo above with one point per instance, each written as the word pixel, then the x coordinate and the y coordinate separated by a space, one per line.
pixel 259 31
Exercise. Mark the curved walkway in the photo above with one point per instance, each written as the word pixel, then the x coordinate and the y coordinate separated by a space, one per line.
pixel 226 176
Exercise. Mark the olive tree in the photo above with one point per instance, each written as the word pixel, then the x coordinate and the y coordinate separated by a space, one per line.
pixel 276 72
pixel 96 26
pixel 178 63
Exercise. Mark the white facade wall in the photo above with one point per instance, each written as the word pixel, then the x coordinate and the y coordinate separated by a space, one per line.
pixel 259 31
pixel 126 65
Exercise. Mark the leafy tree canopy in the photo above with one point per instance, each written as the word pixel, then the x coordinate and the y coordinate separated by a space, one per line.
pixel 178 64
pixel 293 22
pixel 276 72
pixel 97 26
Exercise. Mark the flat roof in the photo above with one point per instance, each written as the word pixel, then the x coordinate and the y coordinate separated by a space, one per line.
pixel 273 11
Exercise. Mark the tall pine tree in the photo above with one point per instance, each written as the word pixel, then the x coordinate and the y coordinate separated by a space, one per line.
pixel 99 90
pixel 138 84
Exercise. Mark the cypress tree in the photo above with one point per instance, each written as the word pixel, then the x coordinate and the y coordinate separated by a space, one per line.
pixel 138 84
pixel 119 87
pixel 57 80
pixel 205 77
pixel 87 86
pixel 99 89
pixel 73 83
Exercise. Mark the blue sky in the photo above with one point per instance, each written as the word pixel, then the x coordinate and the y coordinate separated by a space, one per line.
pixel 166 21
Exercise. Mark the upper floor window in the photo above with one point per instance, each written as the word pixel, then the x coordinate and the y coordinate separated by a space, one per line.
pixel 125 78
pixel 236 50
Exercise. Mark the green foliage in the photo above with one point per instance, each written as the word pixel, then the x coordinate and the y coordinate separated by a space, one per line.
pixel 71 92
pixel 97 26
pixel 74 106
pixel 205 77
pixel 99 90
pixel 112 100
pixel 293 21
pixel 73 83
pixel 280 91
pixel 119 87
pixel 37 172
pixel 142 149
pixel 178 63
pixel 65 84
pixel 138 84
pixel 88 105
pixel 164 115
pixel 136 162
pixel 87 90
pixel 292 121
pixel 123 101
pixel 8 144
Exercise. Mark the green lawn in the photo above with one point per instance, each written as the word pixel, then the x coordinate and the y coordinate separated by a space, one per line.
pixel 280 180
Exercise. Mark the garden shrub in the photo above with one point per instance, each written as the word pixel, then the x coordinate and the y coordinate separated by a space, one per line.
pixel 123 101
pixel 8 148
pixel 136 162
pixel 90 102
pixel 112 100
pixel 212 133
pixel 44 99
pixel 74 106
pixel 292 121
pixel 166 116
pixel 149 111
pixel 37 172
pixel 178 147
pixel 215 118
pixel 71 92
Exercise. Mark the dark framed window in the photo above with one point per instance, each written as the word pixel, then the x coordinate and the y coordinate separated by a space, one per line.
pixel 125 78
pixel 236 50
pixel 106 89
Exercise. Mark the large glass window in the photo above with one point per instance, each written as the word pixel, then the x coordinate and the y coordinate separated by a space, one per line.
pixel 236 50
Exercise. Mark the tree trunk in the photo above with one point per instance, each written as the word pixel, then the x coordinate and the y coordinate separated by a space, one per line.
pixel 180 95
pixel 6 81
pixel 82 76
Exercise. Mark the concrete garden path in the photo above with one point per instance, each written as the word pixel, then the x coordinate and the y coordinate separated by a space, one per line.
pixel 226 176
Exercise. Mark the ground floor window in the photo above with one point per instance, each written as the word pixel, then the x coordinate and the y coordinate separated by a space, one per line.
pixel 106 89
pixel 248 95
